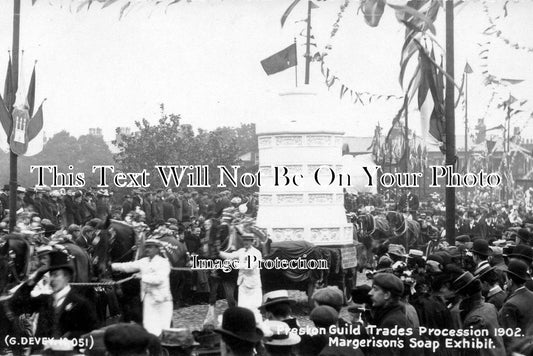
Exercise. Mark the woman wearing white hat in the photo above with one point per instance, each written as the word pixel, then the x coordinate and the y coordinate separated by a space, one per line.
pixel 154 272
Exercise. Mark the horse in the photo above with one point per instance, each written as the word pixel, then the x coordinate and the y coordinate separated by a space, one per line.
pixel 80 261
pixel 176 252
pixel 405 232
pixel 372 230
pixel 14 266
pixel 120 242
pixel 116 241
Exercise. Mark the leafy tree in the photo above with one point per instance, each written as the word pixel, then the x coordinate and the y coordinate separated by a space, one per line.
pixel 62 150
pixel 172 143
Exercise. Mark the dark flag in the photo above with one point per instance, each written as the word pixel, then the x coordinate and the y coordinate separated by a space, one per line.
pixel 31 93
pixel 9 93
pixel 288 11
pixel 5 121
pixel 280 61
pixel 430 96
pixel 490 146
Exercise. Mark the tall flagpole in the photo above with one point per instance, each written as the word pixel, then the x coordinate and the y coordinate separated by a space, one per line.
pixel 466 131
pixel 296 66
pixel 308 43
pixel 406 153
pixel 450 121
pixel 13 157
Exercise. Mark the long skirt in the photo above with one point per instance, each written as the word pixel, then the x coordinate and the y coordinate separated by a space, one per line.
pixel 157 316
pixel 251 298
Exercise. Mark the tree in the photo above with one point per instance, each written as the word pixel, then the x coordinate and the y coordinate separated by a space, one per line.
pixel 172 143
pixel 63 150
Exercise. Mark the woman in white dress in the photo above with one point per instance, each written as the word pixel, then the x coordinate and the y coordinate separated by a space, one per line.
pixel 249 280
pixel 154 272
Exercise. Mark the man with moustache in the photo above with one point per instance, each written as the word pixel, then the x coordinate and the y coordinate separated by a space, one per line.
pixel 62 314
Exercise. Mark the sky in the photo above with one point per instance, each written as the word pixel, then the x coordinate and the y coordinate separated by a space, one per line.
pixel 201 58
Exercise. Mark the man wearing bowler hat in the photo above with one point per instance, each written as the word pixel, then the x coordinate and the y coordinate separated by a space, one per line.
pixel 477 314
pixel 481 252
pixel 239 332
pixel 525 254
pixel 64 313
pixel 517 311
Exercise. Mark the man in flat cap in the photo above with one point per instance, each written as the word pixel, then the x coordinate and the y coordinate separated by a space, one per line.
pixel 126 340
pixel 387 311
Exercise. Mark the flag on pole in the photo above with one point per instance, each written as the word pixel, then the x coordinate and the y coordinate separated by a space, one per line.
pixel 30 98
pixel 5 121
pixel 280 61
pixel 372 11
pixel 431 98
pixel 35 133
pixel 25 134
pixel 9 93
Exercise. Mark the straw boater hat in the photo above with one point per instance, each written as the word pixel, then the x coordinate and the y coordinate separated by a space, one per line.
pixel 43 250
pixel 153 242
pixel 483 269
pixel 276 297
pixel 281 335
pixel 248 236
pixel 463 281
pixel 102 193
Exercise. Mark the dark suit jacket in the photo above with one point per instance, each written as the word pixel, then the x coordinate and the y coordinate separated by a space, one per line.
pixel 75 317
pixel 517 312
pixel 126 208
pixel 81 242
pixel 389 317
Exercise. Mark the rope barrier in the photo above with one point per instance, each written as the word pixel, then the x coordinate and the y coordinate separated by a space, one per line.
pixel 96 284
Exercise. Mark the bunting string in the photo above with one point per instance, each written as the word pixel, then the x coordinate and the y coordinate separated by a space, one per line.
pixel 357 97
pixel 493 30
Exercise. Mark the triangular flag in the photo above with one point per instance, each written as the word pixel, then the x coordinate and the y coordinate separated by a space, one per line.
pixel 30 98
pixel 35 133
pixel 288 11
pixel 5 120
pixel 9 92
pixel 36 123
pixel 313 5
pixel 468 69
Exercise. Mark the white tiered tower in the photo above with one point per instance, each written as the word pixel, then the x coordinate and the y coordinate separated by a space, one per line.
pixel 301 133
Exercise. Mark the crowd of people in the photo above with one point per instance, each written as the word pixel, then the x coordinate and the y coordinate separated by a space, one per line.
pixel 478 280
